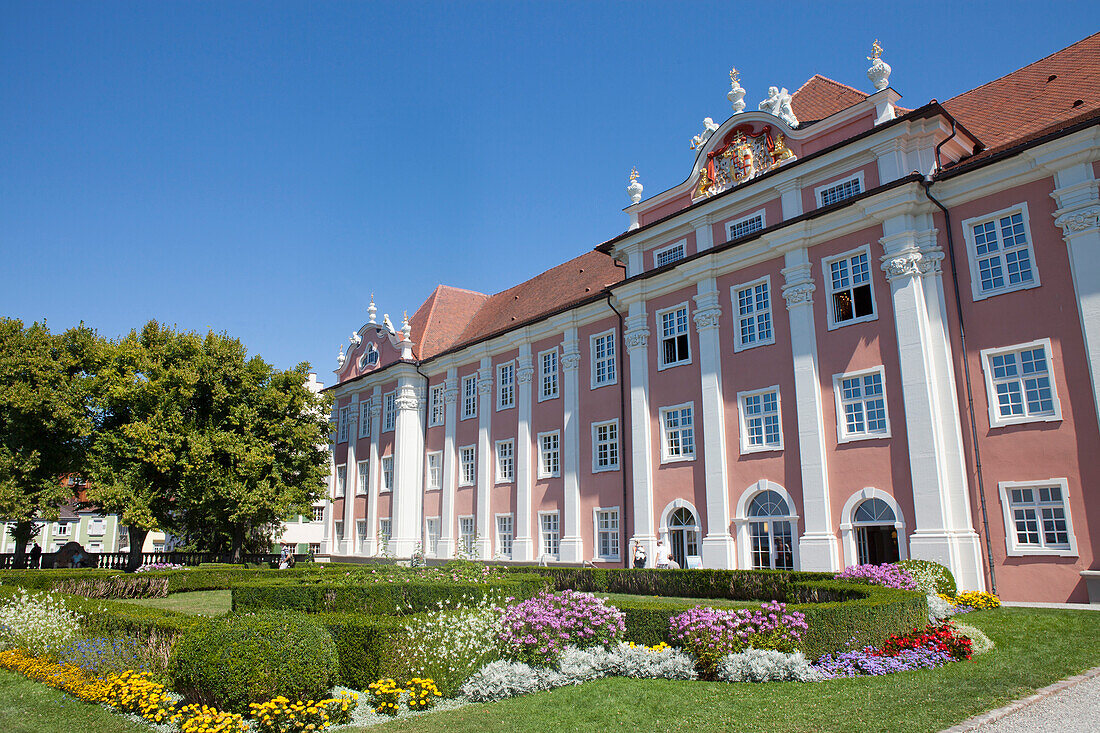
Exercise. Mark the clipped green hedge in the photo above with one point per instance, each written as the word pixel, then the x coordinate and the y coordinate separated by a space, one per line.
pixel 368 646
pixel 378 598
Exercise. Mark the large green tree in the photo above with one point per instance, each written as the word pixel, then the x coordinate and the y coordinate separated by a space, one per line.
pixel 46 388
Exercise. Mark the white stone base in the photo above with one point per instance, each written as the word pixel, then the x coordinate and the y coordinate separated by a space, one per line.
pixel 719 551
pixel 572 549
pixel 959 550
pixel 523 549
pixel 445 548
pixel 402 547
pixel 819 552
pixel 484 548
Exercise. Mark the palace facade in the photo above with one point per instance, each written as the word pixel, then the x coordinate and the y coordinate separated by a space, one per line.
pixel 855 333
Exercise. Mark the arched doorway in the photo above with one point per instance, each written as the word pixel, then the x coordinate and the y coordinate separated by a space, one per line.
pixel 683 535
pixel 770 532
pixel 876 533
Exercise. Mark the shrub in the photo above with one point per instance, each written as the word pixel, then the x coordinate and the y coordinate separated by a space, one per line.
pixel 40 623
pixel 536 630
pixel 930 577
pixel 658 662
pixel 233 662
pixel 368 647
pixel 979 642
pixel 766 665
pixel 452 642
pixel 939 609
pixel 979 601
pixel 709 634
pixel 500 679
pixel 887 575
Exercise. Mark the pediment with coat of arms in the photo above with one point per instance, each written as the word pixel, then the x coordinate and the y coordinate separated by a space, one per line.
pixel 744 153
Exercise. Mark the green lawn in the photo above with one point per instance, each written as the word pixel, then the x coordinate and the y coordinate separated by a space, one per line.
pixel 194 603
pixel 1035 647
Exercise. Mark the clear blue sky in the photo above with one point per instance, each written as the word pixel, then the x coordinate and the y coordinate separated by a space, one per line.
pixel 260 168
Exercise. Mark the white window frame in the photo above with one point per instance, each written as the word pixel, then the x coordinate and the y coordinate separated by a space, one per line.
pixel 385 533
pixel 471 546
pixel 827 277
pixel 610 363
pixel 462 465
pixel 734 223
pixel 361 530
pixel 667 457
pixel 842 435
pixel 340 488
pixel 469 396
pixel 317 514
pixel 612 443
pixel 387 471
pixel 1014 548
pixel 344 417
pixel 661 364
pixel 597 532
pixel 431 544
pixel 544 375
pixel 97 527
pixel 63 529
pixel 742 398
pixel 682 245
pixel 506 390
pixel 995 418
pixel 544 535
pixel 434 474
pixel 819 190
pixel 389 411
pixel 972 252
pixel 498 545
pixel 735 300
pixel 362 478
pixel 505 476
pixel 364 418
pixel 437 412
pixel 543 473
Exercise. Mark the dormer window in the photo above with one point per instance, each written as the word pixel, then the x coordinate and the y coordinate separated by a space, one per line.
pixel 840 190
pixel 369 357
pixel 669 254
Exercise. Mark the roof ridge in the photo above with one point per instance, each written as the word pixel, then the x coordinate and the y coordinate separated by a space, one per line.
pixel 831 81
pixel 1022 68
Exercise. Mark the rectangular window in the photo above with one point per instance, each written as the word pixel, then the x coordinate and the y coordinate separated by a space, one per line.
pixel 754 314
pixel 551 536
pixel 760 425
pixel 436 405
pixel 840 190
pixel 345 417
pixel 504 536
pixel 506 461
pixel 435 470
pixel 467 534
pixel 603 359
pixel 851 297
pixel 1037 517
pixel 361 530
pixel 469 396
pixel 861 405
pixel 364 419
pixel 506 386
pixel 744 226
pixel 387 473
pixel 678 426
pixel 549 455
pixel 315 548
pixel 318 514
pixel 389 411
pixel 607 534
pixel 341 480
pixel 548 374
pixel 384 527
pixel 1001 257
pixel 467 458
pixel 63 529
pixel 675 348
pixel 433 536
pixel 363 468
pixel 1020 384
pixel 339 530
pixel 605 446
pixel 669 254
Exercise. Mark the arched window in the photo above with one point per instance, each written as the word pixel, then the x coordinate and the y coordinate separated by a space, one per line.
pixel 876 532
pixel 772 546
pixel 370 357
pixel 874 511
pixel 683 533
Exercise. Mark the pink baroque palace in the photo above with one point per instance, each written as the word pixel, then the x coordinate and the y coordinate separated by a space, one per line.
pixel 855 333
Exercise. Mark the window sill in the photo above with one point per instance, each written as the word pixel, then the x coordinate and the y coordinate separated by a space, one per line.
pixel 661 367
pixel 506 407
pixel 1008 422
pixel 550 475
pixel 610 558
pixel 852 321
pixel 857 438
pixel 597 385
pixel 749 450
pixel 547 399
pixel 737 348
pixel 434 488
pixel 677 459
pixel 1042 552
pixel 504 482
pixel 605 469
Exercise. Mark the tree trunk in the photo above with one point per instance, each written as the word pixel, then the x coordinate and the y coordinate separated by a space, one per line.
pixel 137 543
pixel 238 543
pixel 22 535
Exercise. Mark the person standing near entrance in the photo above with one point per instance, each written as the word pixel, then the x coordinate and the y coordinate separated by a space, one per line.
pixel 639 555
pixel 36 555
pixel 663 556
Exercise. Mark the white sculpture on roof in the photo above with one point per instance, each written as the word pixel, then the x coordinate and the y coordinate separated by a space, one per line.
pixel 879 73
pixel 778 103
pixel 634 190
pixel 736 94
pixel 341 358
pixel 700 140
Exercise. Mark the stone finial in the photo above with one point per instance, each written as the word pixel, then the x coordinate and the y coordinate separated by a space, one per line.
pixel 634 190
pixel 879 73
pixel 372 311
pixel 736 94
pixel 406 327
pixel 341 358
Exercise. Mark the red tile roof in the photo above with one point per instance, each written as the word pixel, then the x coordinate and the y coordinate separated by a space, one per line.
pixel 820 97
pixel 1034 98
pixel 443 317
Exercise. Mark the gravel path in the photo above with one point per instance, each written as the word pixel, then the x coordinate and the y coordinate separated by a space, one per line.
pixel 1073 709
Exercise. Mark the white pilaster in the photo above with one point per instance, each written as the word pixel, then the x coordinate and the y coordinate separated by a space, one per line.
pixel 1078 216
pixel 641 445
pixel 718 545
pixel 944 529
pixel 817 547
pixel 374 473
pixel 523 549
pixel 447 520
pixel 408 462
pixel 572 546
pixel 486 458
pixel 790 197
pixel 351 481
pixel 704 234
pixel 327 533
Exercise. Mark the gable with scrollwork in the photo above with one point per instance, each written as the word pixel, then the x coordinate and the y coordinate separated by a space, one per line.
pixel 745 152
